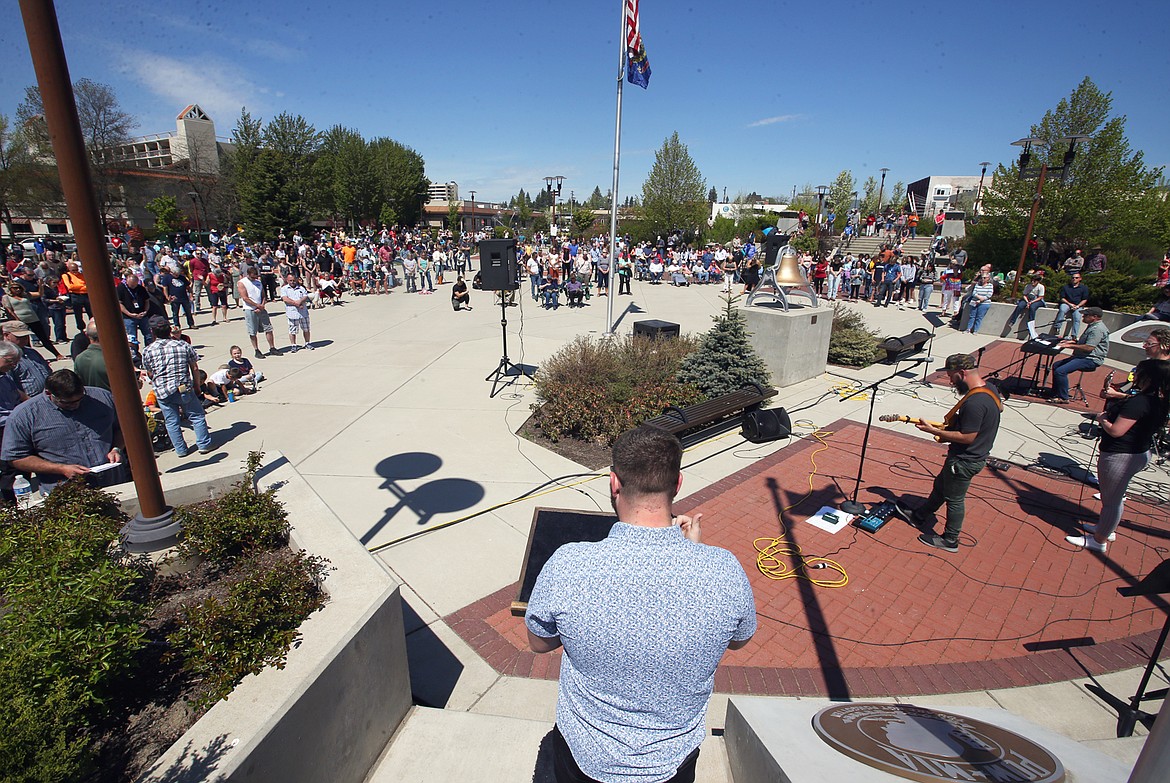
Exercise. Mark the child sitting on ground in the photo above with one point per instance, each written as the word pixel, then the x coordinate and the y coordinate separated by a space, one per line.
pixel 248 374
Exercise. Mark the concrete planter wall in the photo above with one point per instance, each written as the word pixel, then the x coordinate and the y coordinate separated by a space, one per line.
pixel 995 325
pixel 330 712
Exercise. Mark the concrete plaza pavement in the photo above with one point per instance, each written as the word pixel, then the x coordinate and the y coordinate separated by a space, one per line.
pixel 390 422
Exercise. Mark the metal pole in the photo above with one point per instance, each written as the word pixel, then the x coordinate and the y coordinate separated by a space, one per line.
pixel 617 151
pixel 979 195
pixel 1031 225
pixel 1153 763
pixel 52 70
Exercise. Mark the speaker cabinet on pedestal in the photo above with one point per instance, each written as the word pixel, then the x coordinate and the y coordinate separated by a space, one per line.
pixel 497 264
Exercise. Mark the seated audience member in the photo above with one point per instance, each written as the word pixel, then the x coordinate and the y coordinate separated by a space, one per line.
pixel 248 374
pixel 550 292
pixel 477 281
pixel 66 431
pixel 328 289
pixel 575 292
pixel 209 393
pixel 227 379
pixel 1161 309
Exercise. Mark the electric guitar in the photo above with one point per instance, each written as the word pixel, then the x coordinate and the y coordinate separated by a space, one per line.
pixel 911 420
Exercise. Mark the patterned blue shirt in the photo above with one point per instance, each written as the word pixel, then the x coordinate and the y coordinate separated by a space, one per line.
pixel 645 617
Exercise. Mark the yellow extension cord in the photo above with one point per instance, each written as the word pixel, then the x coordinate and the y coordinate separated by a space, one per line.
pixel 775 557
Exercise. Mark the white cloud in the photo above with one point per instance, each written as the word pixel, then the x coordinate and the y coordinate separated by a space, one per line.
pixel 774 120
pixel 219 88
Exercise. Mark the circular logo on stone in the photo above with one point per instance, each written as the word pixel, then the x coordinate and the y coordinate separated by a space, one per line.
pixel 927 745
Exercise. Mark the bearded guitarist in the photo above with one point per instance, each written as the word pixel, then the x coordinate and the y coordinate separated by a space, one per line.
pixel 969 431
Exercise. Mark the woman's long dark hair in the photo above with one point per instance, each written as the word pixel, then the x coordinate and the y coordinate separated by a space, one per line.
pixel 1152 376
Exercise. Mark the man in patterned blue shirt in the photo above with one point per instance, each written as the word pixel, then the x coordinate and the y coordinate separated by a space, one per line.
pixel 644 616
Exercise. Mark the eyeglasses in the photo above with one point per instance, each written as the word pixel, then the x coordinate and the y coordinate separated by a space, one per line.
pixel 67 404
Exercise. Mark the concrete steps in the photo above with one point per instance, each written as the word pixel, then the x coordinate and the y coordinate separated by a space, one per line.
pixel 439 746
pixel 871 245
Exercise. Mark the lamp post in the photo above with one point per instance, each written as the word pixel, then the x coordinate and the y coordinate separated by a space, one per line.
pixel 195 206
pixel 821 191
pixel 1041 175
pixel 881 188
pixel 472 211
pixel 549 183
pixel 979 193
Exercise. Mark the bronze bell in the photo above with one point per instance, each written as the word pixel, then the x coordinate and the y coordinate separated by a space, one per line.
pixel 789 271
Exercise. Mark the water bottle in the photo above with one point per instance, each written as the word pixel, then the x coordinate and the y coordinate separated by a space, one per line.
pixel 231 396
pixel 23 491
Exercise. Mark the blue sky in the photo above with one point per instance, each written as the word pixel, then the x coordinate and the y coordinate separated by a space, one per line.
pixel 495 96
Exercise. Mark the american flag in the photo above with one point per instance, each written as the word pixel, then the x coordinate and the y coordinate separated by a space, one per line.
pixel 637 64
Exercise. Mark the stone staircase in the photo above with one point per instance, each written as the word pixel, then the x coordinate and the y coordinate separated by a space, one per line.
pixel 439 746
pixel 871 245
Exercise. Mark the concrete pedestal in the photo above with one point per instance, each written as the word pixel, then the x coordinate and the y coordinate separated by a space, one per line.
pixel 773 739
pixel 793 344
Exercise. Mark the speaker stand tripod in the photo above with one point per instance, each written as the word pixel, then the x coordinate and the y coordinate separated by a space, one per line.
pixel 505 369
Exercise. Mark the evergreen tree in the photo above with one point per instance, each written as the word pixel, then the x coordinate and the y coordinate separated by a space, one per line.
pixel 725 360
pixel 673 195
pixel 712 195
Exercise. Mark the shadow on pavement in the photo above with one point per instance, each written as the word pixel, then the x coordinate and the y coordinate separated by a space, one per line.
pixel 441 496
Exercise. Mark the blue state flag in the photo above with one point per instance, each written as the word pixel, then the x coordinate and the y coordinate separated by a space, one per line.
pixel 638 67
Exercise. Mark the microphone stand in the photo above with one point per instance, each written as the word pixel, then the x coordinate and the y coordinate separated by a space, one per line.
pixel 851 506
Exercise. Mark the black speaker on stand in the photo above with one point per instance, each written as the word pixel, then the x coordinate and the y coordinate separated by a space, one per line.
pixel 497 265
pixel 764 425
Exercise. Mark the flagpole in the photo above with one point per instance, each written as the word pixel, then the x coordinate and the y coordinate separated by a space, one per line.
pixel 617 152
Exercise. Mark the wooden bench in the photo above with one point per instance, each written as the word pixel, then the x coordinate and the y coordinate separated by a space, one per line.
pixel 898 348
pixel 706 418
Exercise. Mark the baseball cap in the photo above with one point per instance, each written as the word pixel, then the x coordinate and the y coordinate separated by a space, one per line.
pixel 1097 311
pixel 960 361
pixel 16 328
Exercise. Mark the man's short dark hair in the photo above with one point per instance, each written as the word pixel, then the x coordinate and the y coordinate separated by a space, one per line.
pixel 64 383
pixel 647 461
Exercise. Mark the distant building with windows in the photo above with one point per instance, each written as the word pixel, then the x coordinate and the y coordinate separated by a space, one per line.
pixel 180 163
pixel 193 142
pixel 930 194
pixel 442 192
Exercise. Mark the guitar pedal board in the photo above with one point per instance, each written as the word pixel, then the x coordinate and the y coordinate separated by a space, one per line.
pixel 877 516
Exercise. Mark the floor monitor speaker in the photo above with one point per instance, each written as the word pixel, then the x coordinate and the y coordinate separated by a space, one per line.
pixel 761 426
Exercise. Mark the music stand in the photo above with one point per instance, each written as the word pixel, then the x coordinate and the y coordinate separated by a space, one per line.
pixel 1157 582
pixel 935 322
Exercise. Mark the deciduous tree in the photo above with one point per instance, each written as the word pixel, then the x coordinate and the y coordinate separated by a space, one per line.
pixel 1108 198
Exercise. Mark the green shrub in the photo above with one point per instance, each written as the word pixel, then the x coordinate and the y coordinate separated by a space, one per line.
pixel 71 624
pixel 271 594
pixel 241 521
pixel 725 360
pixel 851 343
pixel 44 739
pixel 595 389
pixel 1112 290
